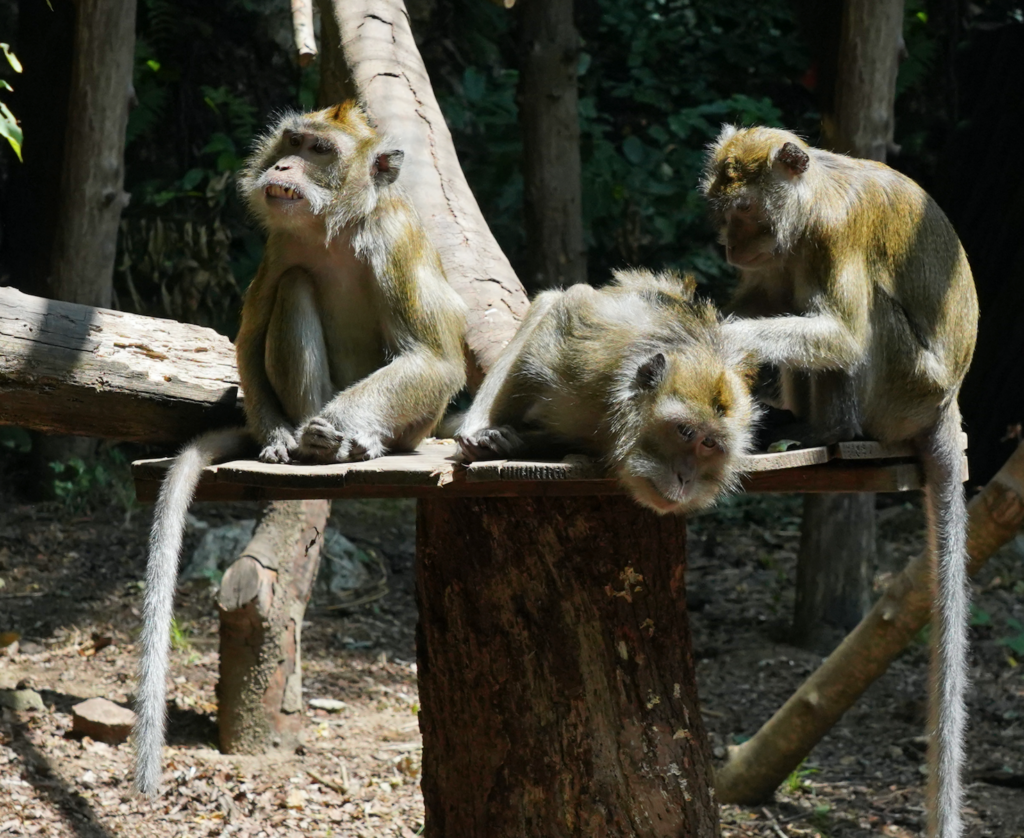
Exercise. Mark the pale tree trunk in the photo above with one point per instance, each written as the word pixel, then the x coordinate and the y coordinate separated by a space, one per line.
pixel 757 767
pixel 838 542
pixel 368 45
pixel 549 49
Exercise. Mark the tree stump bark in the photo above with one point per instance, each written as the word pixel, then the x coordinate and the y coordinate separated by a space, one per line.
pixel 556 674
pixel 262 602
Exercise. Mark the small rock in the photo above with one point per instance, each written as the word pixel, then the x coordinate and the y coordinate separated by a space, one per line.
pixel 331 705
pixel 21 700
pixel 296 799
pixel 103 720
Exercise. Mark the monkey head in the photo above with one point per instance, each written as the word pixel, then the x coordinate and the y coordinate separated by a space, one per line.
pixel 320 170
pixel 754 180
pixel 688 424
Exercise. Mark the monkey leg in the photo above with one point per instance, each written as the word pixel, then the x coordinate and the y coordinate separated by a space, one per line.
pixel 947 534
pixel 296 352
pixel 834 412
pixel 489 428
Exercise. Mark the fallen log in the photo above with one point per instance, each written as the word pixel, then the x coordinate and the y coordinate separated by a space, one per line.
pixel 73 369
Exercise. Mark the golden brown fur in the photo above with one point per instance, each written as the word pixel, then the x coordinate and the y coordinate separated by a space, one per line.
pixel 854 284
pixel 635 373
pixel 350 344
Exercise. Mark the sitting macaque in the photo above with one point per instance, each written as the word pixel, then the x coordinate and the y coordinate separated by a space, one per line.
pixel 350 346
pixel 854 284
pixel 636 374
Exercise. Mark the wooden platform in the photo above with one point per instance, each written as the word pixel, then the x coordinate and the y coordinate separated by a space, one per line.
pixel 433 470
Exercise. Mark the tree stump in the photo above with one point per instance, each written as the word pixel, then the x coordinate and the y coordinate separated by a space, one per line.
pixel 555 670
pixel 262 602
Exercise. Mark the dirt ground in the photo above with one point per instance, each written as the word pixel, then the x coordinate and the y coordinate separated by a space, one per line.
pixel 71 590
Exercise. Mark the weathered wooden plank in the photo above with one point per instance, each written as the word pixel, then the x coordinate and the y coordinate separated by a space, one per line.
pixel 434 469
pixel 869 450
pixel 840 476
pixel 73 369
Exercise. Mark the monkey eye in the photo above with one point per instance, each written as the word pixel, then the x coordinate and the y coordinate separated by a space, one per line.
pixel 322 147
pixel 686 432
pixel 709 442
pixel 295 141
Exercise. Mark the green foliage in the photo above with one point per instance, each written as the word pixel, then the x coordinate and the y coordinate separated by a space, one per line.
pixel 15 439
pixel 661 77
pixel 796 782
pixel 186 250
pixel 180 641
pixel 82 485
pixel 1014 642
pixel 657 80
pixel 9 127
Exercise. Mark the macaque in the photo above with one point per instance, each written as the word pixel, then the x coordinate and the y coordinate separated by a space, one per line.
pixel 854 284
pixel 635 373
pixel 350 345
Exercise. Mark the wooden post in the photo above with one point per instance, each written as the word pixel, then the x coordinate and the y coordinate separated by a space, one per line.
pixel 262 601
pixel 555 672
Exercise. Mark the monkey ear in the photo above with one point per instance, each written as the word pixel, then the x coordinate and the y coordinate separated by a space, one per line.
pixel 794 158
pixel 650 372
pixel 386 166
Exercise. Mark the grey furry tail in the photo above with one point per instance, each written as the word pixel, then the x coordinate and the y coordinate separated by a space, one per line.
pixel 161 579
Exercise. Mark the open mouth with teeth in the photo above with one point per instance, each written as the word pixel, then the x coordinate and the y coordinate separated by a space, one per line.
pixel 284 193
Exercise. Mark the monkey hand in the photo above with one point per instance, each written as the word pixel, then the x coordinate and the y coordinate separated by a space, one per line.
pixel 280 447
pixel 488 443
pixel 322 441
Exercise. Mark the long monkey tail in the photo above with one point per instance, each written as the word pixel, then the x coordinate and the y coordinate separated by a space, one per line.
pixel 165 537
pixel 947 514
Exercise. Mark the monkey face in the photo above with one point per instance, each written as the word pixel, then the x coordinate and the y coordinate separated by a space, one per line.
pixel 748 238
pixel 296 183
pixel 318 172
pixel 752 181
pixel 694 420
pixel 678 466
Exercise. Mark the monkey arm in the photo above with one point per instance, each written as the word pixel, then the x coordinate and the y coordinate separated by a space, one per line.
pixel 833 332
pixel 810 341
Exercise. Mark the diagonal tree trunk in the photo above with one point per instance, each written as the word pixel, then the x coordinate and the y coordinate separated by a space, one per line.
pixel 759 765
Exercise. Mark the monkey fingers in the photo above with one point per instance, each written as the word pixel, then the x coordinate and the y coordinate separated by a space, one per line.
pixel 322 442
pixel 489 443
pixel 280 448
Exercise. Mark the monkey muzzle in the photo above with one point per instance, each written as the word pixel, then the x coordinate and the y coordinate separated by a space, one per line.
pixel 283 193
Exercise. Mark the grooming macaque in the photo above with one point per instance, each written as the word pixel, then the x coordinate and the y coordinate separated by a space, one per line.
pixel 636 374
pixel 854 284
pixel 350 344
